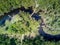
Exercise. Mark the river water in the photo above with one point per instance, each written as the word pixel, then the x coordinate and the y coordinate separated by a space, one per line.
pixel 35 15
pixel 48 36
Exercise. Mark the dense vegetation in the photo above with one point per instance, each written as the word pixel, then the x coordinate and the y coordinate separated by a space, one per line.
pixel 51 15
pixel 5 40
pixel 7 5
pixel 22 29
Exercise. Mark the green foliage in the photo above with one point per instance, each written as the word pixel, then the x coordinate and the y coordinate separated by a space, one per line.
pixel 4 40
pixel 28 3
pixel 7 5
pixel 51 15
pixel 39 41
pixel 52 4
pixel 24 24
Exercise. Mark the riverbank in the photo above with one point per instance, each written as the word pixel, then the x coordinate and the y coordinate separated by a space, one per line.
pixel 30 11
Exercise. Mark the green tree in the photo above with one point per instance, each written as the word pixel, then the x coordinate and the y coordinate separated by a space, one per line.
pixel 8 5
pixel 50 15
pixel 23 26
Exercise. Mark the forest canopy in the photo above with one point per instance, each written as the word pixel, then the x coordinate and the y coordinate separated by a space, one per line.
pixel 18 24
pixel 7 5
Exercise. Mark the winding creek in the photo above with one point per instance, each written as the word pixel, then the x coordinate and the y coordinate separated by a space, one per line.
pixel 46 36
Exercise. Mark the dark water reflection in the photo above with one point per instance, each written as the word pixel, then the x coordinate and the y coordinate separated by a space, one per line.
pixel 2 21
pixel 48 36
pixel 35 15
pixel 5 17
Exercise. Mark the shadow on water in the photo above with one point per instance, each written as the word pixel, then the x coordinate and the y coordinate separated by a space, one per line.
pixel 2 21
pixel 5 17
pixel 36 16
pixel 16 11
pixel 48 36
